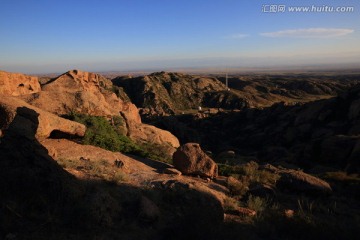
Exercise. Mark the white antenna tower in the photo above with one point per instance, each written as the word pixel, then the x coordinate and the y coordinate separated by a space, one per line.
pixel 227 82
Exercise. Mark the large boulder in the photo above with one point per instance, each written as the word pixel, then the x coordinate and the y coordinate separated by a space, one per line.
pixel 16 84
pixel 18 116
pixel 190 159
pixel 299 181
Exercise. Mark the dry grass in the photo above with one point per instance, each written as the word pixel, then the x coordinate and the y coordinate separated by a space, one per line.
pixel 230 204
pixel 257 204
pixel 100 169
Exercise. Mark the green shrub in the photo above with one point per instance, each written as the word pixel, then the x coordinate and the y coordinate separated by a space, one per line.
pixel 155 152
pixel 101 133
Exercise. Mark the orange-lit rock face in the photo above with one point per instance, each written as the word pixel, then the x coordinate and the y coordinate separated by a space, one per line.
pixel 16 84
pixel 82 92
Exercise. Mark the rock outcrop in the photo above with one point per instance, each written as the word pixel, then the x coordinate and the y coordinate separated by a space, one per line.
pixel 91 94
pixel 191 160
pixel 18 116
pixel 81 92
pixel 16 84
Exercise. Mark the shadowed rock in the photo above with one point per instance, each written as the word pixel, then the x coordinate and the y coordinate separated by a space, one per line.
pixel 47 122
pixel 298 181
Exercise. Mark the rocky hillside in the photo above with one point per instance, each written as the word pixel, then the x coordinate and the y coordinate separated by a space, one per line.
pixel 168 93
pixel 165 93
pixel 56 186
pixel 59 189
pixel 320 132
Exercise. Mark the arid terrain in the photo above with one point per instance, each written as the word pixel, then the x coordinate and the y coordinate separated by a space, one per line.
pixel 171 155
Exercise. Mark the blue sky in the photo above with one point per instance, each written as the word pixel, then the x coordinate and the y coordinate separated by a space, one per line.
pixel 39 36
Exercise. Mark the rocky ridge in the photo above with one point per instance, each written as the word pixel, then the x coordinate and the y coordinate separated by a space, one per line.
pixel 165 93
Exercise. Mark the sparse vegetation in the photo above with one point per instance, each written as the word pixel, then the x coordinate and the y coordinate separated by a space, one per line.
pixel 247 174
pixel 101 169
pixel 238 188
pixel 119 177
pixel 312 217
pixel 310 221
pixel 66 163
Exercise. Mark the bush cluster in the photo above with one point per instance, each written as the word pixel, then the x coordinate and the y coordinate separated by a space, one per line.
pixel 102 133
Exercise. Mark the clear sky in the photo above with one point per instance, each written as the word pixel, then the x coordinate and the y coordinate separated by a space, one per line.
pixel 39 36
